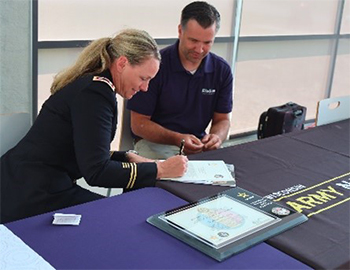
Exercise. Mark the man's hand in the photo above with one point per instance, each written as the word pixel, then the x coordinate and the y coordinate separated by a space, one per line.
pixel 218 132
pixel 211 142
pixel 193 145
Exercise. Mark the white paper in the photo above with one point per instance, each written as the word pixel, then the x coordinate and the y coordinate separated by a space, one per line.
pixel 66 219
pixel 213 172
pixel 16 255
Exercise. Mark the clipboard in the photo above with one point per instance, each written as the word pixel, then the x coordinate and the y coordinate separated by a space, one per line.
pixel 227 223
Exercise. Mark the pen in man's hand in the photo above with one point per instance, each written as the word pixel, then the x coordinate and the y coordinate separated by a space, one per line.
pixel 182 146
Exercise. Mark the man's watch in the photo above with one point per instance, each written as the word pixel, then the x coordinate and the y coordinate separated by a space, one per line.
pixel 128 152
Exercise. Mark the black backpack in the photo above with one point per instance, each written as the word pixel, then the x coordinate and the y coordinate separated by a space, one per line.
pixel 281 119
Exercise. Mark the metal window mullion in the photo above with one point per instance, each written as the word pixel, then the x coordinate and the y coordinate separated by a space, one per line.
pixel 334 50
pixel 34 59
pixel 236 31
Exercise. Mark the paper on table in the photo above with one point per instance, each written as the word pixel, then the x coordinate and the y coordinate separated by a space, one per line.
pixel 15 254
pixel 66 219
pixel 210 172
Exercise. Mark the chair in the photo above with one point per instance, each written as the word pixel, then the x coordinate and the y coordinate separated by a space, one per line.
pixel 13 127
pixel 126 141
pixel 332 110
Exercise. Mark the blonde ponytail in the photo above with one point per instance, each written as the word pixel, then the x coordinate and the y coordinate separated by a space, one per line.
pixel 136 45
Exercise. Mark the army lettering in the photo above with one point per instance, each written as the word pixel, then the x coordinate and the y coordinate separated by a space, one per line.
pixel 312 200
pixel 323 196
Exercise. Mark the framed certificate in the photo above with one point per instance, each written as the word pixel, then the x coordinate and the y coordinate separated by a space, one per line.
pixel 219 220
pixel 227 223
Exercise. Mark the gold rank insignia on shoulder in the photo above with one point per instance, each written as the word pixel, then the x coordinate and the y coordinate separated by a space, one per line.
pixel 105 80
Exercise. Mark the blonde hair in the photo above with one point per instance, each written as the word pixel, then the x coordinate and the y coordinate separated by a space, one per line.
pixel 136 45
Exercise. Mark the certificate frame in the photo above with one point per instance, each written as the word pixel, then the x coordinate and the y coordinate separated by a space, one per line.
pixel 230 221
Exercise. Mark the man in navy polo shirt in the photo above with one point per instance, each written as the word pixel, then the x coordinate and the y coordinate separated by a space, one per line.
pixel 192 88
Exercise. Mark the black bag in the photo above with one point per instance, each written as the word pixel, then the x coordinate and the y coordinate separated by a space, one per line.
pixel 281 119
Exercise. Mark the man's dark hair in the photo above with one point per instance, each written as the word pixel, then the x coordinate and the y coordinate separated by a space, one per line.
pixel 205 15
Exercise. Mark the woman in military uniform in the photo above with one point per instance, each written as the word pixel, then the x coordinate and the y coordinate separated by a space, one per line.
pixel 71 136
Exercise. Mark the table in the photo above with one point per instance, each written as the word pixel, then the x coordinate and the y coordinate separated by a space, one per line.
pixel 113 234
pixel 309 170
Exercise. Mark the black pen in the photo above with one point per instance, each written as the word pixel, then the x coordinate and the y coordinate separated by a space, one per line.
pixel 182 146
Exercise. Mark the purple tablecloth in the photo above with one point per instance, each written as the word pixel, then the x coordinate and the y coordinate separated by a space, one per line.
pixel 113 234
pixel 309 170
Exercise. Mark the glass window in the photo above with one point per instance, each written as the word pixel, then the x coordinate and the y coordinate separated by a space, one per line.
pixel 345 25
pixel 267 73
pixel 273 73
pixel 341 79
pixel 88 19
pixel 50 62
pixel 288 17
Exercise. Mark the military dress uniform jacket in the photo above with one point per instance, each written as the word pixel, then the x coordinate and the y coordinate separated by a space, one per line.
pixel 69 139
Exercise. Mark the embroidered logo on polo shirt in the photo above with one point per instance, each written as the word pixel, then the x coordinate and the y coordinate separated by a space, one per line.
pixel 208 92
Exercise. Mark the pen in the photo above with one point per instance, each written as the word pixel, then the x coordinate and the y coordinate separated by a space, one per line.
pixel 182 145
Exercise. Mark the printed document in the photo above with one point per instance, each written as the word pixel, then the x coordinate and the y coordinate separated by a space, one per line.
pixel 210 172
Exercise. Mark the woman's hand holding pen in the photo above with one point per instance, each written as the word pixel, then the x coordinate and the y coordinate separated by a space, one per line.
pixel 172 167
